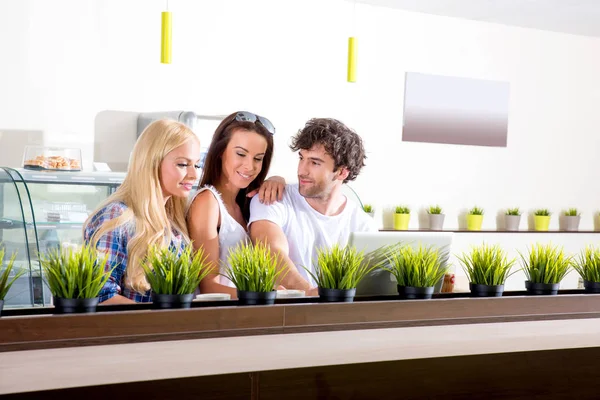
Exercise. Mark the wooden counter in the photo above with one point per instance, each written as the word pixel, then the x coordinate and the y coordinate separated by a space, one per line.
pixel 258 352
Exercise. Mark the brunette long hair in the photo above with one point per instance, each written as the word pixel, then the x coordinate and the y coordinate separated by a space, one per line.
pixel 213 165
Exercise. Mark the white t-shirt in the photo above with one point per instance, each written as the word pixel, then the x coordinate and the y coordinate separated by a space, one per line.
pixel 307 229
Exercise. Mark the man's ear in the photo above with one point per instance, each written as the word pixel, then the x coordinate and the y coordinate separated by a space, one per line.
pixel 343 173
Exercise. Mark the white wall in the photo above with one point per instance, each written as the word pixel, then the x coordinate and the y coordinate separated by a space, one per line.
pixel 65 61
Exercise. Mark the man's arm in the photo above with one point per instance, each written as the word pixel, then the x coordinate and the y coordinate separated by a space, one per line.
pixel 270 233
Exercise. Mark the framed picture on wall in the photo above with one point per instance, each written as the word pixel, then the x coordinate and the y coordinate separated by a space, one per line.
pixel 453 110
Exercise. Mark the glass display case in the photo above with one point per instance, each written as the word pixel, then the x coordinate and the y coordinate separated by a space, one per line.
pixel 40 210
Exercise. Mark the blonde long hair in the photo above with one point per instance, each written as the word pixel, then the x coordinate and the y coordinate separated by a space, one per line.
pixel 141 192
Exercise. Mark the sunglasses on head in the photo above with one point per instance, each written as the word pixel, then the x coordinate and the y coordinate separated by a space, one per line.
pixel 250 117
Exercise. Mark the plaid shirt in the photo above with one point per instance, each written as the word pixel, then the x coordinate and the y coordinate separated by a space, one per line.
pixel 115 244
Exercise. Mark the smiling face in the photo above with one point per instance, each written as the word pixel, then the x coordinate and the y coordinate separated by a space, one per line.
pixel 316 177
pixel 179 170
pixel 242 159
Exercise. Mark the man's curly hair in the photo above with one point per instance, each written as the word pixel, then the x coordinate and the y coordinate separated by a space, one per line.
pixel 340 142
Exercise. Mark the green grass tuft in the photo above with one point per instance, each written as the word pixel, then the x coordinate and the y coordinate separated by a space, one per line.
pixel 342 267
pixel 487 265
pixel 75 273
pixel 170 273
pixel 253 267
pixel 476 211
pixel 417 268
pixel 546 264
pixel 587 264
pixel 435 209
pixel 402 210
pixel 5 279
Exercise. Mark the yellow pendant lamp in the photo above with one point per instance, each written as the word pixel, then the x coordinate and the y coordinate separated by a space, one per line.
pixel 351 59
pixel 165 37
pixel 352 50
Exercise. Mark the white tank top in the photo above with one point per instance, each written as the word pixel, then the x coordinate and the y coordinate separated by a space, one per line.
pixel 231 233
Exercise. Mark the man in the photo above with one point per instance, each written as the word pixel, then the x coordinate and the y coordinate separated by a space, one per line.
pixel 313 213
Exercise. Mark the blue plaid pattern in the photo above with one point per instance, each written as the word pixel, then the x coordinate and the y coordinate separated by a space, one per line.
pixel 115 244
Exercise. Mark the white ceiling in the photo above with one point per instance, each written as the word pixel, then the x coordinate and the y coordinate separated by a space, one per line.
pixel 579 17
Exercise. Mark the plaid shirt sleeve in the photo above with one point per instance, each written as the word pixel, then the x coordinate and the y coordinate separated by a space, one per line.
pixel 114 243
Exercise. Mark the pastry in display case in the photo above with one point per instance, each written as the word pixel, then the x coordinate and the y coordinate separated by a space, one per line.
pixel 51 158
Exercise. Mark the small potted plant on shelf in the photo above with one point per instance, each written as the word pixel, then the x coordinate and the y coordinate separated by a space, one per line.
pixel 587 266
pixel 401 218
pixel 474 219
pixel 436 218
pixel 416 270
pixel 6 280
pixel 338 271
pixel 174 277
pixel 252 268
pixel 75 278
pixel 572 219
pixel 545 267
pixel 512 219
pixel 487 268
pixel 368 208
pixel 541 219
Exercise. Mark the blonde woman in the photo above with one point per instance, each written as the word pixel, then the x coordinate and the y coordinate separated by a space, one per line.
pixel 147 209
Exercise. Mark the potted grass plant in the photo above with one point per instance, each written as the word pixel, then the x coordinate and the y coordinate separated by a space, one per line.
pixel 572 219
pixel 512 219
pixel 174 277
pixel 487 267
pixel 75 277
pixel 252 268
pixel 545 267
pixel 368 208
pixel 401 218
pixel 587 266
pixel 436 218
pixel 541 219
pixel 416 270
pixel 6 280
pixel 475 219
pixel 338 270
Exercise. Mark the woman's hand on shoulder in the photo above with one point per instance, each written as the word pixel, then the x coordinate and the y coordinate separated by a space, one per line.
pixel 270 191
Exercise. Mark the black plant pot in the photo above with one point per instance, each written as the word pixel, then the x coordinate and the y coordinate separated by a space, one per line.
pixel 163 301
pixel 337 295
pixel 74 306
pixel 411 292
pixel 1 306
pixel 256 298
pixel 590 287
pixel 480 290
pixel 541 288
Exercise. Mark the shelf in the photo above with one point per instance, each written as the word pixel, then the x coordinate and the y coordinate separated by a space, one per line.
pixel 488 231
pixel 73 178
pixel 13 224
pixel 58 225
pixel 10 224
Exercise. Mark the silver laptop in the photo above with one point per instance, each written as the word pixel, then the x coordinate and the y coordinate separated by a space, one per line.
pixel 381 282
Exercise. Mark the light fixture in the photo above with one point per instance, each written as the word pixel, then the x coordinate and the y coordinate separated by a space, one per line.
pixel 352 49
pixel 165 36
pixel 351 59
